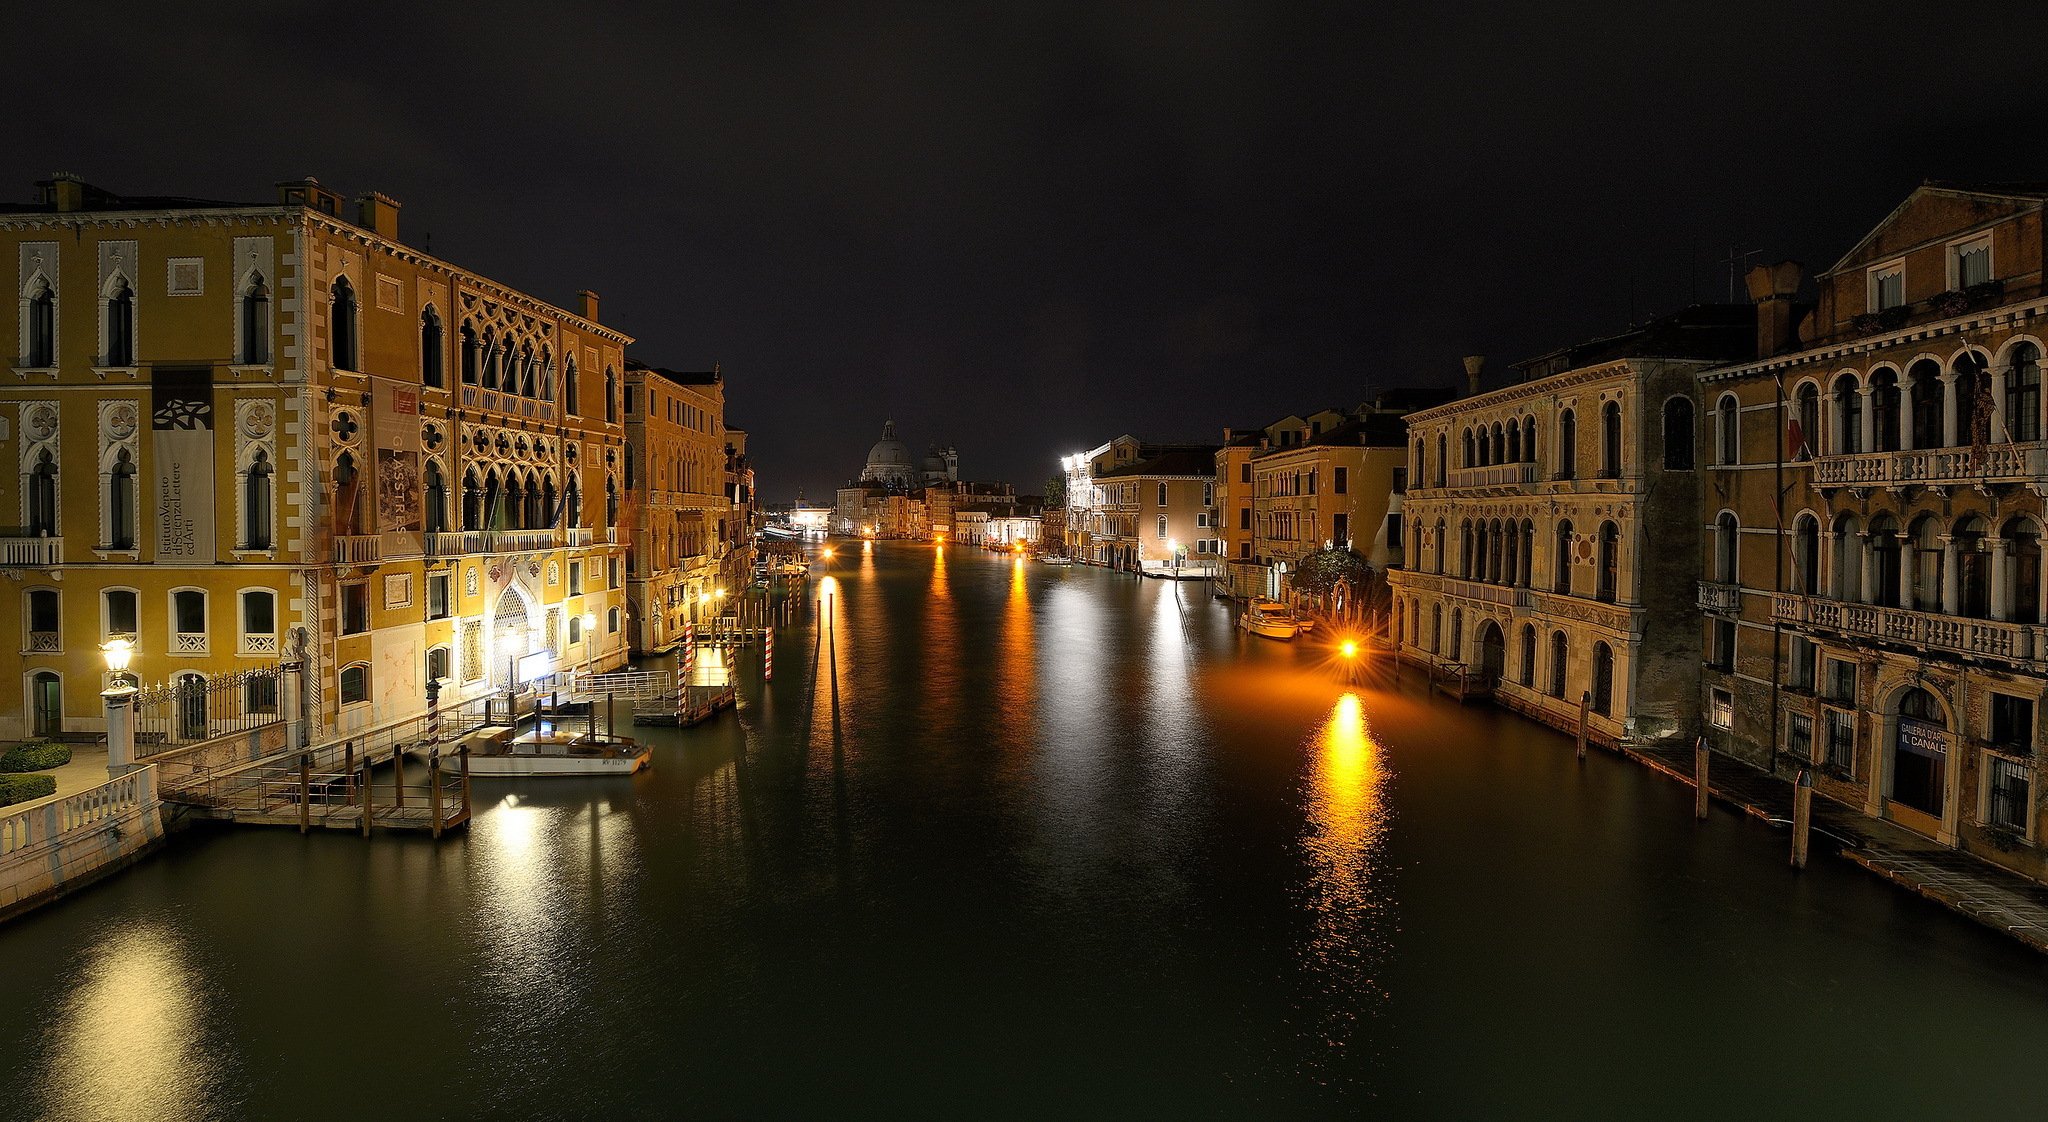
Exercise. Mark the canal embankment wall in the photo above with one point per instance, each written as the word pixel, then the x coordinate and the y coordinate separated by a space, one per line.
pixel 60 846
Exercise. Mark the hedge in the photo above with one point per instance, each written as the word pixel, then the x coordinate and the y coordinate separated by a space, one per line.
pixel 36 755
pixel 21 788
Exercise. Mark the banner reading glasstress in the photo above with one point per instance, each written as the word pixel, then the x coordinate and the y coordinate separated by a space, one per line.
pixel 181 428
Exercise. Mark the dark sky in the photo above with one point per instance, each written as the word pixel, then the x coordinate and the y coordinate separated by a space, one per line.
pixel 1026 229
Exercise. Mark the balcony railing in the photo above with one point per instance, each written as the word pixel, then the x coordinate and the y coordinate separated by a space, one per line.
pixel 357 549
pixel 21 550
pixel 1996 463
pixel 462 542
pixel 580 535
pixel 1720 596
pixel 1985 638
pixel 42 641
pixel 1494 475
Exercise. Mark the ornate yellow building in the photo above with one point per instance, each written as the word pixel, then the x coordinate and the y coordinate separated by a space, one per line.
pixel 680 503
pixel 247 430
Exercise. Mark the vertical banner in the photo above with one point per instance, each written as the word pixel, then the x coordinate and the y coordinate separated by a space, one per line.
pixel 181 428
pixel 400 499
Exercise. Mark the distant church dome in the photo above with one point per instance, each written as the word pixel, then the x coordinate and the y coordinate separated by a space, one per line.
pixel 890 461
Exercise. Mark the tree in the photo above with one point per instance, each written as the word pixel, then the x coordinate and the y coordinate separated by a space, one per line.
pixel 1340 574
pixel 1055 492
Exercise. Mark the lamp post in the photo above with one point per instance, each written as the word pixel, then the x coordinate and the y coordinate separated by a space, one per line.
pixel 589 639
pixel 119 696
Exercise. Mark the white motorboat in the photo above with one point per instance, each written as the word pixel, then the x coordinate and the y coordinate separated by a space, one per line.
pixel 1271 619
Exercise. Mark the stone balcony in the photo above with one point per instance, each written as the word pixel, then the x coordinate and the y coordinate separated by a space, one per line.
pixel 1933 467
pixel 358 549
pixel 1720 597
pixel 1971 638
pixel 23 551
pixel 1493 475
pixel 460 543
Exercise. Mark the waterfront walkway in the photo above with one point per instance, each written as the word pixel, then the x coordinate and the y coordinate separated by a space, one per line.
pixel 1970 885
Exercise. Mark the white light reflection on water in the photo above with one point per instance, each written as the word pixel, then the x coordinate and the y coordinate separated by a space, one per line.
pixel 1347 823
pixel 130 1042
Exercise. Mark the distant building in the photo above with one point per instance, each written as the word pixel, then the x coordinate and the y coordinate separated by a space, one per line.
pixel 679 511
pixel 1145 508
pixel 901 496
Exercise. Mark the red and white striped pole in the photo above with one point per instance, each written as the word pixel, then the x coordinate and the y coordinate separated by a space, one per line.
pixel 768 654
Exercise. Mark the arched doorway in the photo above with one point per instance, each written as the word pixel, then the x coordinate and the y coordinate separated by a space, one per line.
pixel 46 702
pixel 1919 752
pixel 511 636
pixel 1493 652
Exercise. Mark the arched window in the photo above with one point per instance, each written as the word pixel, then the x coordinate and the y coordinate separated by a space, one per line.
pixel 1727 430
pixel 188 619
pixel 611 395
pixel 1470 452
pixel 348 514
pixel 1528 551
pixel 1924 562
pixel 430 348
pixel 1610 440
pixel 1436 628
pixel 355 684
pixel 550 512
pixel 1884 410
pixel 1514 444
pixel 1603 679
pixel 470 359
pixel 1973 559
pixel 2023 394
pixel 1924 390
pixel 1806 555
pixel 2022 570
pixel 1529 440
pixel 259 615
pixel 1561 557
pixel 121 502
pixel 1443 545
pixel 1558 654
pixel 1567 445
pixel 611 502
pixel 1847 437
pixel 1610 561
pixel 436 513
pixel 39 334
pixel 1973 399
pixel 122 612
pixel 573 500
pixel 1727 539
pixel 1678 434
pixel 1466 552
pixel 1500 445
pixel 120 324
pixel 42 497
pixel 341 326
pixel 529 376
pixel 514 517
pixel 437 657
pixel 472 502
pixel 490 359
pixel 1805 435
pixel 1528 675
pixel 255 321
pixel 570 390
pixel 1883 543
pixel 1845 580
pixel 547 375
pixel 257 495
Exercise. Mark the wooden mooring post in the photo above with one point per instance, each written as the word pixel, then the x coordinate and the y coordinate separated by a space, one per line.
pixel 1585 705
pixel 368 799
pixel 1802 817
pixel 462 754
pixel 305 792
pixel 434 789
pixel 1700 786
pixel 398 776
pixel 348 764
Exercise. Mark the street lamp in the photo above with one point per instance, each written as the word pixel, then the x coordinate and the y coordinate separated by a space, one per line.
pixel 589 639
pixel 118 695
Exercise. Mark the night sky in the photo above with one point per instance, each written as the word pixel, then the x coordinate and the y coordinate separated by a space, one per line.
pixel 1025 230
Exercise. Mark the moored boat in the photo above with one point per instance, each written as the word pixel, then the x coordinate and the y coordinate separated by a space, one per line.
pixel 1271 619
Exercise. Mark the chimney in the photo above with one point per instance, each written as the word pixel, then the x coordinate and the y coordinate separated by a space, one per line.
pixel 586 305
pixel 67 191
pixel 379 213
pixel 1775 290
pixel 1473 365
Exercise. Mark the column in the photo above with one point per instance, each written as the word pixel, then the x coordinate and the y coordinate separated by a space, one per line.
pixel 2001 598
pixel 1999 431
pixel 120 728
pixel 1951 580
pixel 1948 408
pixel 1868 426
pixel 1905 413
pixel 1870 581
pixel 291 700
pixel 1908 564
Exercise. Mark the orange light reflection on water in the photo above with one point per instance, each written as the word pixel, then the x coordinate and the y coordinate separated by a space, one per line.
pixel 1347 822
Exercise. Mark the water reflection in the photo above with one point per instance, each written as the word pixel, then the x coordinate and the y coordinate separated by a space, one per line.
pixel 130 1042
pixel 1018 683
pixel 1347 824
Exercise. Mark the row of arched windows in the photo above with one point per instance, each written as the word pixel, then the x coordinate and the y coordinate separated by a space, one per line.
pixel 1449 642
pixel 1958 568
pixel 1503 551
pixel 1514 442
pixel 503 365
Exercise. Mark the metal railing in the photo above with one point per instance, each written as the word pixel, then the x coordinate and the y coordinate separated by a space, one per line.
pixel 192 709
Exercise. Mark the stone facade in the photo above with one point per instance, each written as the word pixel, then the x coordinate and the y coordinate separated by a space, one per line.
pixel 678 507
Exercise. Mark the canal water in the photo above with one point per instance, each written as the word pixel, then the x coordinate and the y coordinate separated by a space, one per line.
pixel 1049 841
